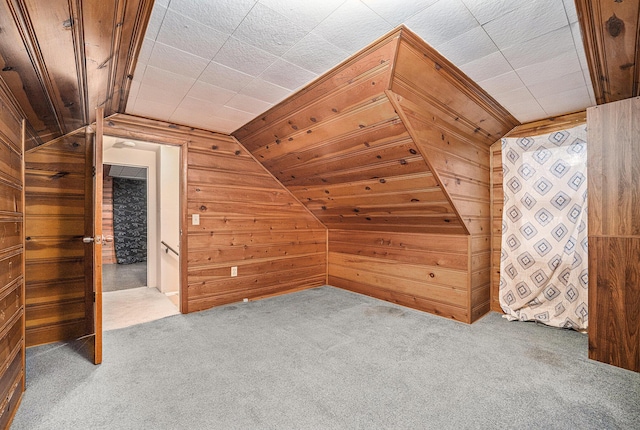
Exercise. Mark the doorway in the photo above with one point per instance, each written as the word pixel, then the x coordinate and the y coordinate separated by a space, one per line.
pixel 141 278
pixel 124 225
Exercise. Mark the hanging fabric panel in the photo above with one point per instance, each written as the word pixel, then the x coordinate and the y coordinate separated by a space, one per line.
pixel 543 261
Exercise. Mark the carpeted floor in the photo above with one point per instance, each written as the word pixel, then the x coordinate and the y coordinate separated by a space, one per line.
pixel 116 277
pixel 328 359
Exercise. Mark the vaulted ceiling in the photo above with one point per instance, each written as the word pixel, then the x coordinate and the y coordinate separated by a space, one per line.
pixel 219 64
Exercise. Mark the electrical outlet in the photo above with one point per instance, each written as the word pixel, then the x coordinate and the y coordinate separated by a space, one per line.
pixel 234 271
pixel 195 219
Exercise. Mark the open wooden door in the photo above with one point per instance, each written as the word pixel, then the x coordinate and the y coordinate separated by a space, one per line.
pixel 96 221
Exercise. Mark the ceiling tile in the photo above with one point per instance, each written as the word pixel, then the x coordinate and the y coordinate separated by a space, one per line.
pixel 485 11
pixel 467 47
pixel 442 21
pixel 248 104
pixel 307 14
pixel 232 114
pixel 133 94
pixel 570 7
pixel 397 11
pixel 486 67
pixel 566 101
pixel 188 35
pixel 145 50
pixel 527 111
pixel 268 30
pixel 164 3
pixel 174 60
pixel 222 76
pixel 223 15
pixel 502 83
pixel 287 75
pixel 155 21
pixel 567 82
pixel 541 48
pixel 513 97
pixel 211 93
pixel 162 94
pixel 160 77
pixel 154 110
pixel 314 53
pixel 138 74
pixel 531 20
pixel 244 57
pixel 352 26
pixel 200 114
pixel 265 91
pixel 550 69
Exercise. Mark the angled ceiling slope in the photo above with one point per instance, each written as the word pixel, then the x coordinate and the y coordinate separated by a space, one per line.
pixel 63 58
pixel 392 139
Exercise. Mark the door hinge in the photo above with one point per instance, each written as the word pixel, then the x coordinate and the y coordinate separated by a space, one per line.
pixel 94 297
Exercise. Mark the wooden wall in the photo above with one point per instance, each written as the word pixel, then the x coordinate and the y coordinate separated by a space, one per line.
pixel 12 344
pixel 423 271
pixel 395 140
pixel 535 128
pixel 57 291
pixel 614 233
pixel 247 220
pixel 108 248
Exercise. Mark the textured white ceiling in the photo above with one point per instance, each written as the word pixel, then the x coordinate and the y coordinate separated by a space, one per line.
pixel 217 64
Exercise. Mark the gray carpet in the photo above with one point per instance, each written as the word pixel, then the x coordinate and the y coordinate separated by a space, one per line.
pixel 116 277
pixel 328 359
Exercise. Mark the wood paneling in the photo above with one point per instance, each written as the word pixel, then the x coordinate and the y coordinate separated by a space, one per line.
pixel 63 58
pixel 394 140
pixel 423 271
pixel 56 284
pixel 108 248
pixel 536 128
pixel 611 35
pixel 12 338
pixel 247 220
pixel 614 233
pixel 341 148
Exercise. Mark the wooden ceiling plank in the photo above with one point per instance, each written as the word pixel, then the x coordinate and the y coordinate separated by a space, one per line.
pixel 21 77
pixel 611 36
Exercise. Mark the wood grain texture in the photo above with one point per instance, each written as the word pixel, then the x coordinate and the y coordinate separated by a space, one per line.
pixel 12 270
pixel 614 301
pixel 63 58
pixel 611 36
pixel 56 287
pixel 108 248
pixel 614 169
pixel 247 220
pixel 614 233
pixel 402 146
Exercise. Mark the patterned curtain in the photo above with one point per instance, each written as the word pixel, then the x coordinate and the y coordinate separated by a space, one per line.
pixel 543 268
pixel 130 220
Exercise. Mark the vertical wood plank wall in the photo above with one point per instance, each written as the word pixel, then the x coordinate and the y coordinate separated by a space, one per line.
pixel 12 343
pixel 535 128
pixel 614 233
pixel 56 285
pixel 108 248
pixel 247 220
